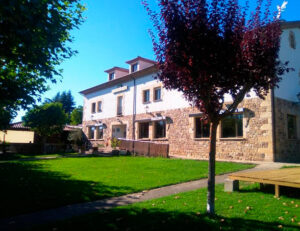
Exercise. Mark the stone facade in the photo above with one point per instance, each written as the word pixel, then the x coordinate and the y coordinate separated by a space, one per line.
pixel 286 149
pixel 255 145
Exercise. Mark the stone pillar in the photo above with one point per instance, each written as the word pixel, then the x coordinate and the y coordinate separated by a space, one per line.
pixel 231 185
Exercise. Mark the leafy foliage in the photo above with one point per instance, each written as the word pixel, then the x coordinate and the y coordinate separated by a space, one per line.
pixel 76 116
pixel 47 119
pixel 34 41
pixel 114 143
pixel 76 137
pixel 66 99
pixel 208 49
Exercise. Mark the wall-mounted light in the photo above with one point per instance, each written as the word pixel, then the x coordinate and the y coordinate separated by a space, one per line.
pixel 147 109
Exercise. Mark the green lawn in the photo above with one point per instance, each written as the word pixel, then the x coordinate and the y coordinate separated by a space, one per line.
pixel 28 186
pixel 249 209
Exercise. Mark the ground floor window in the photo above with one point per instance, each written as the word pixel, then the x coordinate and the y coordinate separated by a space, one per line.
pixel 160 129
pixel 291 127
pixel 143 130
pixel 232 126
pixel 201 128
pixel 92 132
pixel 99 133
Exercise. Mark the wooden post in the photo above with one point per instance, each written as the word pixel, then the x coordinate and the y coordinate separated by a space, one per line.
pixel 277 191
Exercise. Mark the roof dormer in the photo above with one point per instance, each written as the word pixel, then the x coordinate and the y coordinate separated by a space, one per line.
pixel 116 72
pixel 139 63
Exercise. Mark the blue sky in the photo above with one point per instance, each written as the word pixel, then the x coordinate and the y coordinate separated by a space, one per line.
pixel 114 32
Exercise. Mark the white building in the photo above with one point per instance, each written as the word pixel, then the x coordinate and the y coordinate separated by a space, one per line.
pixel 132 104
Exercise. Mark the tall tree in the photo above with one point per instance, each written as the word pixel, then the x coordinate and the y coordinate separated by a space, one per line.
pixel 34 40
pixel 207 49
pixel 66 99
pixel 46 120
pixel 76 116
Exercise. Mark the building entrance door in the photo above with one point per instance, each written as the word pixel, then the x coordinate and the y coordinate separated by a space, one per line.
pixel 119 131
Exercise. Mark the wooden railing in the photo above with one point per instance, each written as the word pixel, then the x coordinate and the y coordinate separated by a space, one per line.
pixel 144 148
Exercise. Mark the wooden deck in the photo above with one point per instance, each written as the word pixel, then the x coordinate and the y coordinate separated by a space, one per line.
pixel 289 177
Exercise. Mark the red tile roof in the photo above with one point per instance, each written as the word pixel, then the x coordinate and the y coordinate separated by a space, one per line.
pixel 117 68
pixel 142 59
pixel 19 126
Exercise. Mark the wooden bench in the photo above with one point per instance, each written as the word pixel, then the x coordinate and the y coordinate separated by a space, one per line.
pixel 289 177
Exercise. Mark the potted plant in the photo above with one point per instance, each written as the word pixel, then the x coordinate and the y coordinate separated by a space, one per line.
pixel 114 143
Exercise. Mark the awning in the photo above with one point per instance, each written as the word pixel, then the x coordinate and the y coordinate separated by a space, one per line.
pixel 196 114
pixel 143 120
pixel 157 118
pixel 241 109
pixel 199 114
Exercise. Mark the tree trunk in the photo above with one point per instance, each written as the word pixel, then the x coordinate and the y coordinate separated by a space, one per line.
pixel 212 169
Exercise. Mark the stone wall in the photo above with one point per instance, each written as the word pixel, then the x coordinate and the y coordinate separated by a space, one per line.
pixel 287 150
pixel 256 143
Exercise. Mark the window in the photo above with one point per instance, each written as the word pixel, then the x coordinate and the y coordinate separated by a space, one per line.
pixel 92 132
pixel 143 130
pixel 292 127
pixel 99 133
pixel 134 67
pixel 292 40
pixel 120 105
pixel 160 129
pixel 146 96
pixel 93 107
pixel 202 128
pixel 157 94
pixel 112 76
pixel 232 126
pixel 99 106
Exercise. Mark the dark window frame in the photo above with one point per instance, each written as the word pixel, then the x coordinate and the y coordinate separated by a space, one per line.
pixel 100 135
pixel 134 67
pixel 155 95
pixel 292 134
pixel 99 109
pixel 112 76
pixel 141 134
pixel 144 94
pixel 204 132
pixel 238 129
pixel 93 108
pixel 92 132
pixel 163 134
pixel 120 107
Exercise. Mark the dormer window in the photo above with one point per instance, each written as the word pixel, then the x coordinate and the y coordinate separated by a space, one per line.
pixel 134 67
pixel 112 76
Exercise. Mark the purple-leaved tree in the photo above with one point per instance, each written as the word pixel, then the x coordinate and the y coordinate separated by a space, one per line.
pixel 207 49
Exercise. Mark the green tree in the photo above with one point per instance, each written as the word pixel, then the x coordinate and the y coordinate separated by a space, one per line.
pixel 34 40
pixel 46 120
pixel 76 116
pixel 66 99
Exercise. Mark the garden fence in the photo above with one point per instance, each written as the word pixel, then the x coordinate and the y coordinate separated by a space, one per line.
pixel 143 148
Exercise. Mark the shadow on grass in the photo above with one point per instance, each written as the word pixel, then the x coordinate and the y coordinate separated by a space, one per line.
pixel 31 157
pixel 270 189
pixel 28 187
pixel 158 219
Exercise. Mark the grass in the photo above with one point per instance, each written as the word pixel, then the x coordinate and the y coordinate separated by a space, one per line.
pixel 28 186
pixel 290 166
pixel 249 209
